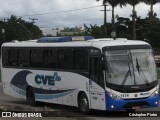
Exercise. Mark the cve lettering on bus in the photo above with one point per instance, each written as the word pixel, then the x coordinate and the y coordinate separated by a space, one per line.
pixel 47 79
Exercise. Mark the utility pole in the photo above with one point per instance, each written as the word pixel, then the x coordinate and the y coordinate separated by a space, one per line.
pixel 105 17
pixel 105 13
pixel 33 20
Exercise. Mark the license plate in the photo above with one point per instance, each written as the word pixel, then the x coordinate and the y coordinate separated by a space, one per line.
pixel 136 107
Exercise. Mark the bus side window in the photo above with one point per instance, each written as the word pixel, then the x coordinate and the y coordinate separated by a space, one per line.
pixel 50 57
pixel 24 59
pixel 65 59
pixel 94 68
pixel 96 71
pixel 80 60
pixel 5 57
pixel 36 58
pixel 13 55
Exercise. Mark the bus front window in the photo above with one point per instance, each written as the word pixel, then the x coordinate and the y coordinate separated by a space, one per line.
pixel 130 67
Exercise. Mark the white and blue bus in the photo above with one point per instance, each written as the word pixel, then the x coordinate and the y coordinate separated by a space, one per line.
pixel 101 74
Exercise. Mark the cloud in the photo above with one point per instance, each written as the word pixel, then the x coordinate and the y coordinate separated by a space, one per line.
pixel 88 16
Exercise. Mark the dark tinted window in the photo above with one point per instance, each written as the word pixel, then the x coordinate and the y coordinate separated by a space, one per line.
pixel 80 59
pixel 65 59
pixel 5 57
pixel 94 68
pixel 24 58
pixel 36 58
pixel 50 58
pixel 13 55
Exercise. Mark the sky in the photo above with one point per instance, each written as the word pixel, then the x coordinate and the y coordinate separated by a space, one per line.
pixel 67 19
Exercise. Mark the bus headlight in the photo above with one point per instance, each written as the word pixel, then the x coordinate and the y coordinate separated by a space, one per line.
pixel 116 97
pixel 155 93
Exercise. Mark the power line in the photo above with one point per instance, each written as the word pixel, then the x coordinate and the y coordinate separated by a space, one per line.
pixel 65 19
pixel 38 14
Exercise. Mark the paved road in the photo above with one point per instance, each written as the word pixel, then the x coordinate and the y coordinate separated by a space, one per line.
pixel 72 112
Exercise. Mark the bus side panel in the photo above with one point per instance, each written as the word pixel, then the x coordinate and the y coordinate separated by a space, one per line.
pixel 61 87
pixel 10 89
pixel 49 86
pixel 52 86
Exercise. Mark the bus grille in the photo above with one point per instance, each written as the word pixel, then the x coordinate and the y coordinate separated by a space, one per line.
pixel 132 104
pixel 128 90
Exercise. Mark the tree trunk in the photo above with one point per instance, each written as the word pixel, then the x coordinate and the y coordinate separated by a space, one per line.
pixel 113 19
pixel 134 22
pixel 151 11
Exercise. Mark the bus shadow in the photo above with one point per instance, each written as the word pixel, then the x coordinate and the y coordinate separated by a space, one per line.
pixel 74 111
pixel 57 110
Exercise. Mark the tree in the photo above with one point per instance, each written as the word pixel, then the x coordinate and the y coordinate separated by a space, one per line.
pixel 2 32
pixel 151 13
pixel 123 27
pixel 96 31
pixel 18 29
pixel 151 31
pixel 114 3
pixel 134 15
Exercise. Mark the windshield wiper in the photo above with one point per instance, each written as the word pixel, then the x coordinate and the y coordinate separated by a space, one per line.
pixel 137 66
pixel 139 69
pixel 126 75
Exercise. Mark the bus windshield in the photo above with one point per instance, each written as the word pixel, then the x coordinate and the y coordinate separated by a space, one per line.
pixel 130 67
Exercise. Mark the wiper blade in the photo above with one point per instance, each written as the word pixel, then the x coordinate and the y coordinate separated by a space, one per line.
pixel 127 74
pixel 137 66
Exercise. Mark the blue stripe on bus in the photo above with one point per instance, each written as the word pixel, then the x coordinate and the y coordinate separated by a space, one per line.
pixel 18 90
pixel 51 96
pixel 44 91
pixel 56 94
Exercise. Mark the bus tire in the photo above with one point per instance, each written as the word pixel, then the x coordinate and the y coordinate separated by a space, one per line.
pixel 31 97
pixel 84 104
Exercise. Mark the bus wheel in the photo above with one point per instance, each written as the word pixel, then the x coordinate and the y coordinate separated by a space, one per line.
pixel 83 104
pixel 31 97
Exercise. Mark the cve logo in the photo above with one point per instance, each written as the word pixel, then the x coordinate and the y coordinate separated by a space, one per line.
pixel 47 79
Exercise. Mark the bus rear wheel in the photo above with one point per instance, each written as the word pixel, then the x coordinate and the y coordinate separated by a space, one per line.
pixel 31 97
pixel 84 104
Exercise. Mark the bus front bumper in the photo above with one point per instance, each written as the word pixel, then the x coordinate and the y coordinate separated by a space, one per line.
pixel 114 105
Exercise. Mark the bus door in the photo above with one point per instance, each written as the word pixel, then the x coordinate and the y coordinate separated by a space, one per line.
pixel 97 93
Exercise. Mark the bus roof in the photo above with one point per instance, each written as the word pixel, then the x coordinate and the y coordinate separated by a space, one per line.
pixel 98 43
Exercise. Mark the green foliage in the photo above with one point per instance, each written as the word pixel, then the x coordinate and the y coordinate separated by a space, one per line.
pixel 146 29
pixel 18 29
pixel 150 30
pixel 72 29
pixel 96 31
